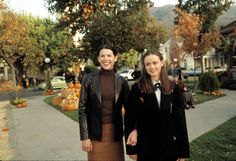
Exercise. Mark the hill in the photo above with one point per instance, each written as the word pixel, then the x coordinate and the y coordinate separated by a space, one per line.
pixel 165 15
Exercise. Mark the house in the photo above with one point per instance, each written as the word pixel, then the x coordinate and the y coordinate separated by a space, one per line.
pixel 212 60
pixel 229 32
pixel 5 71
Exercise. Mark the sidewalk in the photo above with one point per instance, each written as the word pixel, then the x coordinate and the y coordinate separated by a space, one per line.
pixel 40 132
pixel 210 114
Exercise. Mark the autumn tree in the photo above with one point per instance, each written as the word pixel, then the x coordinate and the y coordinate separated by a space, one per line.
pixel 13 31
pixel 127 24
pixel 25 42
pixel 188 29
pixel 130 29
pixel 208 11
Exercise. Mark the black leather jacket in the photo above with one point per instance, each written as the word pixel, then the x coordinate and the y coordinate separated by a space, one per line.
pixel 90 114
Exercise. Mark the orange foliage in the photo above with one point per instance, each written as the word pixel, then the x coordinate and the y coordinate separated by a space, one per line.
pixel 189 29
pixel 13 34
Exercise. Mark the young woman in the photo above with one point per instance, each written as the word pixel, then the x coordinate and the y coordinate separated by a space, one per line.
pixel 102 95
pixel 155 124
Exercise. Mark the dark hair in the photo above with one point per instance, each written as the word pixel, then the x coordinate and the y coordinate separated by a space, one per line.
pixel 145 83
pixel 107 46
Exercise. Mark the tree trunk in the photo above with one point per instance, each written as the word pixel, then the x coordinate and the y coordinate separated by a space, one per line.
pixel 202 67
pixel 14 80
pixel 194 74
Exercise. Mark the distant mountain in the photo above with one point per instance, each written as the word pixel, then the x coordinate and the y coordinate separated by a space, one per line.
pixel 165 15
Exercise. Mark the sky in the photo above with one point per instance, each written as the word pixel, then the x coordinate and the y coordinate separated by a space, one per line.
pixel 37 8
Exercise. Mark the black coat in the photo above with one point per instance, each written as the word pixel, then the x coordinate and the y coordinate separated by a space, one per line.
pixel 162 131
pixel 90 115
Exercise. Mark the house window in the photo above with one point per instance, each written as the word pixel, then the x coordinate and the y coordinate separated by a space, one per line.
pixel 209 63
pixel 166 50
pixel 222 61
pixel 185 63
pixel 205 62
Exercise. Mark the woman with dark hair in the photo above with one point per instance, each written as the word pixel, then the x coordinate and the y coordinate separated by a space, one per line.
pixel 155 123
pixel 103 93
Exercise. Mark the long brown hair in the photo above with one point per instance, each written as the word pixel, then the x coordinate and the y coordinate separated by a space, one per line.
pixel 145 82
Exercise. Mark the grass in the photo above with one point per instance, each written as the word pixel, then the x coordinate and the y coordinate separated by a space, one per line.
pixel 200 97
pixel 71 114
pixel 218 144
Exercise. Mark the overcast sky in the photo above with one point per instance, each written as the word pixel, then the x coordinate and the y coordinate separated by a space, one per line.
pixel 37 8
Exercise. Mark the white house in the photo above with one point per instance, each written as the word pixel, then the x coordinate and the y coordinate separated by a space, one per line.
pixel 5 72
pixel 211 60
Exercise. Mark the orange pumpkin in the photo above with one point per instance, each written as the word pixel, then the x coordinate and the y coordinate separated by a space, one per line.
pixel 5 129
pixel 70 85
pixel 19 105
pixel 24 104
pixel 77 94
pixel 56 100
pixel 77 85
pixel 70 106
pixel 63 104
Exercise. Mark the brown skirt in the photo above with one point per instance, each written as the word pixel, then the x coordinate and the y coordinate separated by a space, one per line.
pixel 107 149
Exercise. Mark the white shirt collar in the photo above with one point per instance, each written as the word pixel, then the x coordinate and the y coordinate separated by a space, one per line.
pixel 154 82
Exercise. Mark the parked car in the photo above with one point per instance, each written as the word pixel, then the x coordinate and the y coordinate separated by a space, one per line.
pixel 126 73
pixel 191 72
pixel 58 82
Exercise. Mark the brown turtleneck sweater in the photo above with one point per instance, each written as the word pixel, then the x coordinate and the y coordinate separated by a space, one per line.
pixel 108 94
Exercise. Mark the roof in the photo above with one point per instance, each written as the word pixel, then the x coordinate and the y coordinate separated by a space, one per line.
pixel 229 28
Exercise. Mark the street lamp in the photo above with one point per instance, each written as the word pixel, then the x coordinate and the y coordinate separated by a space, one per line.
pixel 47 61
pixel 48 85
pixel 175 60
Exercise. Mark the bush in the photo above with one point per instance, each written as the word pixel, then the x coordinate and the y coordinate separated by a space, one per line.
pixel 89 69
pixel 209 82
pixel 224 78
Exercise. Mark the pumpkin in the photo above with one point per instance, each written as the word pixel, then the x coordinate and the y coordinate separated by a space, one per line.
pixel 24 104
pixel 63 103
pixel 77 86
pixel 70 85
pixel 19 105
pixel 77 94
pixel 70 106
pixel 56 100
pixel 5 129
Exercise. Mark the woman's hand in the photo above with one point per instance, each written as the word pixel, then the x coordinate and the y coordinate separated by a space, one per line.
pixel 133 157
pixel 181 159
pixel 87 145
pixel 132 139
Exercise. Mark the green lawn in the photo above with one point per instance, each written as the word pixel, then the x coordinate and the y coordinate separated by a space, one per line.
pixel 203 98
pixel 218 144
pixel 71 114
